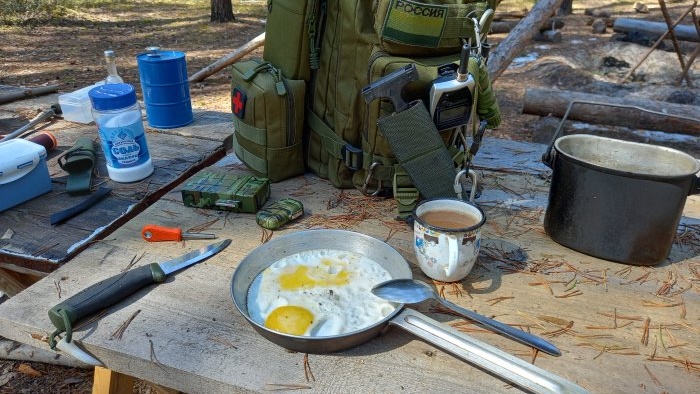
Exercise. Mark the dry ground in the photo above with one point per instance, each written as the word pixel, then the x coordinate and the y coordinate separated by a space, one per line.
pixel 68 51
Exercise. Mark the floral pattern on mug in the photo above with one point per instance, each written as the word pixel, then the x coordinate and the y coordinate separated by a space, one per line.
pixel 420 249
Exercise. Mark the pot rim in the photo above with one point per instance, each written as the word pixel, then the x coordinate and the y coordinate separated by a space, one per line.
pixel 628 144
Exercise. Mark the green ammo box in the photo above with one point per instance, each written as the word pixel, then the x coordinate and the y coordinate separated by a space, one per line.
pixel 226 192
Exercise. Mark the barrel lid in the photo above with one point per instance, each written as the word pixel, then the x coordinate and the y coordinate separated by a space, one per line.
pixel 112 96
pixel 156 54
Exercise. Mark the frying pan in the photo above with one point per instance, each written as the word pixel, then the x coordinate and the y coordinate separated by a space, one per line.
pixel 447 338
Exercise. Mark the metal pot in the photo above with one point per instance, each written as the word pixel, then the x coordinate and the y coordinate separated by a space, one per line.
pixel 617 200
pixel 468 349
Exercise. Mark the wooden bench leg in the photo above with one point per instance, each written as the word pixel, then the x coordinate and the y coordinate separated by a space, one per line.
pixel 106 381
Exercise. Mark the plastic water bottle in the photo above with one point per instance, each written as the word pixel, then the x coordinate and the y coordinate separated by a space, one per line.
pixel 123 138
pixel 112 76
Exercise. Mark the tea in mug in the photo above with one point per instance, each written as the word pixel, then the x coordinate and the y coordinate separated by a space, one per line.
pixel 449 219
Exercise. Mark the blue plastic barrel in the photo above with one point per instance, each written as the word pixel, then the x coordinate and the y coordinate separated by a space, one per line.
pixel 166 91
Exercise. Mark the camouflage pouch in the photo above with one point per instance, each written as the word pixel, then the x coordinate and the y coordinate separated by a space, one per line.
pixel 226 192
pixel 279 213
pixel 268 117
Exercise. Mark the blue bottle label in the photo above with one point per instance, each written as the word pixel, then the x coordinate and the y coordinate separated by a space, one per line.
pixel 124 146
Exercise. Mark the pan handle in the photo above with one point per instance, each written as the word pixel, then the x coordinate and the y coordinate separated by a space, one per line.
pixel 478 353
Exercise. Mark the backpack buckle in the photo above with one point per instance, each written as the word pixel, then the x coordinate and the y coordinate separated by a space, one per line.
pixel 352 157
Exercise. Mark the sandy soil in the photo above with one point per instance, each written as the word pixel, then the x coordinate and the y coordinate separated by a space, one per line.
pixel 68 51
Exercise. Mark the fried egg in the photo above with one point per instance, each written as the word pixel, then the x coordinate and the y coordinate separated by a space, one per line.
pixel 319 293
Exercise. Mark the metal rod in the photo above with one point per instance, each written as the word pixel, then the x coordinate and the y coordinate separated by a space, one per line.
pixel 653 47
pixel 695 54
pixel 674 40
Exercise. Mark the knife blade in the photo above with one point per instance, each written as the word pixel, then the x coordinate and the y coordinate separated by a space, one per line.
pixel 112 290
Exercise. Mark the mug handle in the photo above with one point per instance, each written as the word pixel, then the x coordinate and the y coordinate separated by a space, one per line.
pixel 452 254
pixel 458 187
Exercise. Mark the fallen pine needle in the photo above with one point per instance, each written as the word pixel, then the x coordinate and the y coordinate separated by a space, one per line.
pixel 133 261
pixel 621 317
pixel 120 331
pixel 645 332
pixel 222 341
pixel 265 235
pixel 607 327
pixel 655 304
pixel 496 300
pixel 282 386
pixel 544 282
pixel 641 279
pixel 559 331
pixel 569 294
pixel 653 378
pixel 307 369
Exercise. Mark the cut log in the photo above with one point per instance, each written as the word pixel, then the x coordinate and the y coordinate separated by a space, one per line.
pixel 669 117
pixel 228 59
pixel 27 92
pixel 520 36
pixel 626 25
pixel 500 27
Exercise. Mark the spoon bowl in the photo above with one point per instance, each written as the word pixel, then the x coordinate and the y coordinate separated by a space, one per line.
pixel 411 291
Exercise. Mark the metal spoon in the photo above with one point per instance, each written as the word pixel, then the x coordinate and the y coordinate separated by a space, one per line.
pixel 409 291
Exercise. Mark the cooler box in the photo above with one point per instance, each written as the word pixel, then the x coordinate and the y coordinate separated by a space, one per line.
pixel 23 172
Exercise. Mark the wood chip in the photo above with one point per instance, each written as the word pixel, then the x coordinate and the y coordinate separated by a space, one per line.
pixel 8 234
pixel 28 370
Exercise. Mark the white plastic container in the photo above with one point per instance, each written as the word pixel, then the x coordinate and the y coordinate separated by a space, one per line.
pixel 23 172
pixel 123 138
pixel 76 105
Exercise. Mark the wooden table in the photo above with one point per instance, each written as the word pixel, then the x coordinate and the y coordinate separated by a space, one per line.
pixel 30 245
pixel 621 328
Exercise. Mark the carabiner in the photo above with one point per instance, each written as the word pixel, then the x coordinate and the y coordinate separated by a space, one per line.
pixel 368 179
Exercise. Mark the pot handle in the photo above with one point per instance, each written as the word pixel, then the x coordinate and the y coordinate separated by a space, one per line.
pixel 548 155
pixel 485 356
pixel 695 189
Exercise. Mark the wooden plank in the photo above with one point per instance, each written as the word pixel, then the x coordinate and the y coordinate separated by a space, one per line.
pixel 190 337
pixel 9 284
pixel 106 381
pixel 176 153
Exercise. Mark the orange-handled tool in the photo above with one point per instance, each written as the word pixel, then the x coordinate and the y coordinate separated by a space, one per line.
pixel 153 233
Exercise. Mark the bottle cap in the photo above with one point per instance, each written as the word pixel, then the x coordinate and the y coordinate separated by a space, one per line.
pixel 112 96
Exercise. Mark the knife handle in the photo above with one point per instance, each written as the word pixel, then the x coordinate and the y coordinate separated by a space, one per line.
pixel 103 294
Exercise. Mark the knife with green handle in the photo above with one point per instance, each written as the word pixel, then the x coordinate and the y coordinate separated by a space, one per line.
pixel 112 290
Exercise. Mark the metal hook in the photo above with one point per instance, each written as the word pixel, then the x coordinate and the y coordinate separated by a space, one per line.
pixel 368 179
pixel 458 186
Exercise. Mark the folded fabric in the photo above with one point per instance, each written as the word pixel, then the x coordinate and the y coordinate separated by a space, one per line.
pixel 78 162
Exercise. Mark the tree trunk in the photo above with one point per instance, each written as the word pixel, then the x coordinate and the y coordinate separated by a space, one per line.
pixel 566 7
pixel 222 11
pixel 520 36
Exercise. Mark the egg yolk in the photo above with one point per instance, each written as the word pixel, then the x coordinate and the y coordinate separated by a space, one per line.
pixel 290 319
pixel 305 277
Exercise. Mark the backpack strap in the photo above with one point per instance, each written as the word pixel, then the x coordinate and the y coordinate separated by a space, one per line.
pixel 415 141
pixel 350 155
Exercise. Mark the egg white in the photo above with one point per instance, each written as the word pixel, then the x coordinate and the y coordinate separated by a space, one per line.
pixel 337 308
